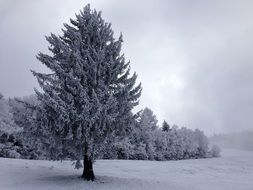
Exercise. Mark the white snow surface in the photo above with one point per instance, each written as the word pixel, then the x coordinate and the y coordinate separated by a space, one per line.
pixel 232 171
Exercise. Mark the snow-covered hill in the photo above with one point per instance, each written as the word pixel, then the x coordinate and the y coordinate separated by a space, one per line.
pixel 233 171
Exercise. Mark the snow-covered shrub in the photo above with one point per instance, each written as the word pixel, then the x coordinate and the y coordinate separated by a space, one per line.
pixel 215 151
pixel 139 152
pixel 123 149
pixel 13 154
pixel 8 146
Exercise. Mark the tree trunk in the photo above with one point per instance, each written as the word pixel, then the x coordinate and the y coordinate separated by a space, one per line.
pixel 88 173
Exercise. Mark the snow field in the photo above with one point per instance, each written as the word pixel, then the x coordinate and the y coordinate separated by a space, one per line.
pixel 232 171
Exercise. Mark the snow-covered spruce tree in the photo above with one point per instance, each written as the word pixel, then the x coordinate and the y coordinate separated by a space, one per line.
pixel 88 96
pixel 165 126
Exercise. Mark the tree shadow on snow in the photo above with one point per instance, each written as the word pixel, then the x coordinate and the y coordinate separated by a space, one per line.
pixel 101 182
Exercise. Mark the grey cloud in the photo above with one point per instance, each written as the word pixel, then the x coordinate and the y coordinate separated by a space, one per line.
pixel 193 57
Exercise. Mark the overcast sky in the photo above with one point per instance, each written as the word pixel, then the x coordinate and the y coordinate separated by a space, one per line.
pixel 194 58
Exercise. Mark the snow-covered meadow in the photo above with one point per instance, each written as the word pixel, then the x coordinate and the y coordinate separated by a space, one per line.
pixel 232 171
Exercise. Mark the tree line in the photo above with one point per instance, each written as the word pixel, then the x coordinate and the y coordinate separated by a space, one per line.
pixel 144 141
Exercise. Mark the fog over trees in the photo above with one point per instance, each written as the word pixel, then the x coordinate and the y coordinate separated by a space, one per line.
pixel 242 140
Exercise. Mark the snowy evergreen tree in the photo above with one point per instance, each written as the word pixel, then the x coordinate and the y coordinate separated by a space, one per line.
pixel 165 126
pixel 89 94
pixel 148 125
pixel 22 110
pixel 148 119
pixel 6 122
pixel 137 149
pixel 10 145
pixel 160 144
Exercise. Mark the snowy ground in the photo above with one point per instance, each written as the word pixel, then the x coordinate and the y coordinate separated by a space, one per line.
pixel 233 171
